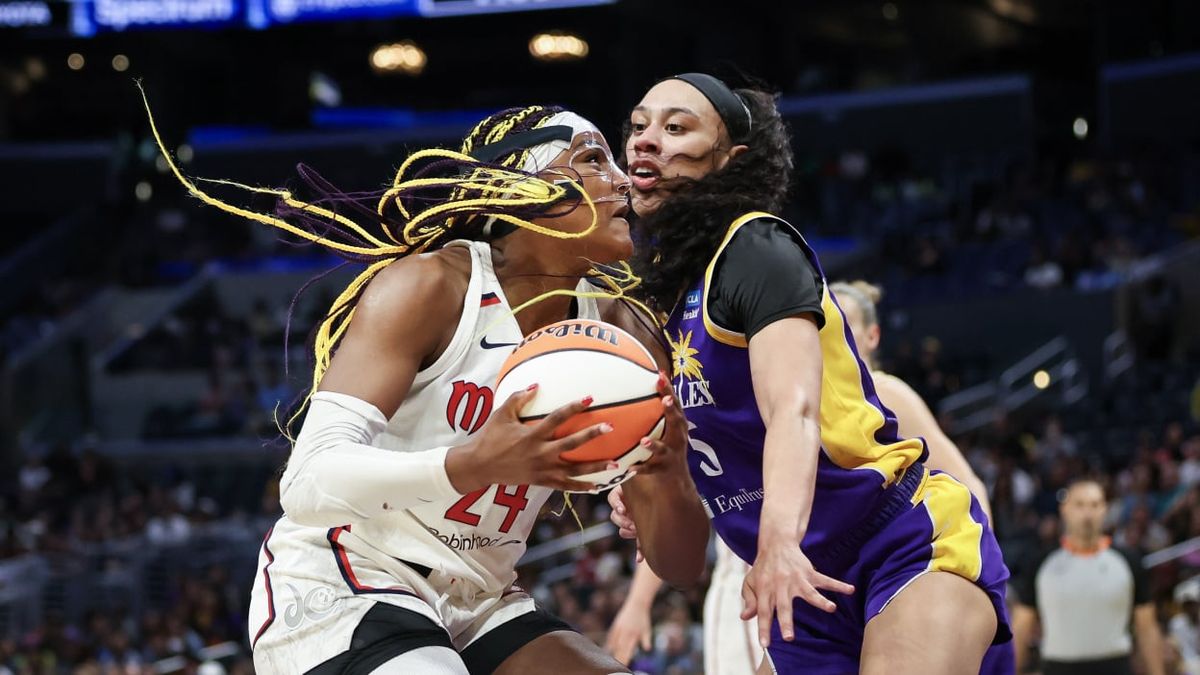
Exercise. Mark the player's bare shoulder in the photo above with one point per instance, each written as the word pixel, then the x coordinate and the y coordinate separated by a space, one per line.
pixel 416 302
pixel 429 285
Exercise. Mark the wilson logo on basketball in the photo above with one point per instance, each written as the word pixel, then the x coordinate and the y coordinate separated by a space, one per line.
pixel 564 329
pixel 475 402
pixel 579 357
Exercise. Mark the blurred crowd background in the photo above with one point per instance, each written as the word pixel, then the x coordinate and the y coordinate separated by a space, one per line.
pixel 1022 177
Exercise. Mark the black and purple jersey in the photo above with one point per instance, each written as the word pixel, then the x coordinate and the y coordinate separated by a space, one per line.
pixel 862 452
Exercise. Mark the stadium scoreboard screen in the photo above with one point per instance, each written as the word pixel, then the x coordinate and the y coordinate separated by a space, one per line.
pixel 89 17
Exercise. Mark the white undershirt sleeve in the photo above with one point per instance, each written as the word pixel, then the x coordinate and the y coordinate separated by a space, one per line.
pixel 336 477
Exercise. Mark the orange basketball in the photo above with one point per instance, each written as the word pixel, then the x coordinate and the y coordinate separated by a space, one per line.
pixel 575 358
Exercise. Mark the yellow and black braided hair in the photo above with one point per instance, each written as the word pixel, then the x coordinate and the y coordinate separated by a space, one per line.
pixel 436 196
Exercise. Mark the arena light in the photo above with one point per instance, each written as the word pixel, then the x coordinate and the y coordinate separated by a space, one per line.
pixel 890 11
pixel 120 63
pixel 404 57
pixel 185 153
pixel 143 191
pixel 1080 128
pixel 35 69
pixel 1020 10
pixel 1041 379
pixel 558 46
pixel 75 61
pixel 19 83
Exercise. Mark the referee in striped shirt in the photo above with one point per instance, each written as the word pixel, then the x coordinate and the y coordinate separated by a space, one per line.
pixel 1086 593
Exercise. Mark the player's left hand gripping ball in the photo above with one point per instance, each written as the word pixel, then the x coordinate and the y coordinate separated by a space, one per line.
pixel 669 450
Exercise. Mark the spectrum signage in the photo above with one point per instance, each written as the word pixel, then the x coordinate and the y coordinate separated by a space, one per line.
pixel 89 17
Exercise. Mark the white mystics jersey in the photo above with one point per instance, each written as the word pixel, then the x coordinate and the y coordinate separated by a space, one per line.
pixel 478 538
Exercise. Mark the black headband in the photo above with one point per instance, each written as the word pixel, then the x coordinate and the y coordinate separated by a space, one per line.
pixel 494 229
pixel 523 141
pixel 731 107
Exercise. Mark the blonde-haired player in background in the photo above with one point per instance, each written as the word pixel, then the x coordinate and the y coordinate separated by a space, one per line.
pixel 730 646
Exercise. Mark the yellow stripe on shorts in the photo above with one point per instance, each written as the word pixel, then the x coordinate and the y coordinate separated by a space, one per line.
pixel 956 535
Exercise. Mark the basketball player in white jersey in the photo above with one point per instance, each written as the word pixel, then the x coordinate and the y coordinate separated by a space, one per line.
pixel 410 493
pixel 730 647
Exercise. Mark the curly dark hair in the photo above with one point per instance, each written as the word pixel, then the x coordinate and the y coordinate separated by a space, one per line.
pixel 681 236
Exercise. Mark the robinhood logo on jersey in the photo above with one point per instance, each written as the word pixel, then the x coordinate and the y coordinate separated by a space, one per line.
pixel 470 542
pixel 691 389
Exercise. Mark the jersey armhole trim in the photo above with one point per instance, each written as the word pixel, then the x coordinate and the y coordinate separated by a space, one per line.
pixel 463 333
pixel 718 333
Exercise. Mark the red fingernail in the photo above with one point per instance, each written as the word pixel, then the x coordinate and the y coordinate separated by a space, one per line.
pixel 646 442
pixel 531 387
pixel 587 400
pixel 612 465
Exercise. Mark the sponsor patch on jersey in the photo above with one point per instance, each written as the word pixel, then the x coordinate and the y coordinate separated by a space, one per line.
pixel 470 541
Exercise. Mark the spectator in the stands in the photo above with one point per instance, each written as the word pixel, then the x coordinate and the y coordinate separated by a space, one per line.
pixel 1184 627
pixel 1189 470
pixel 1155 316
pixel 1042 272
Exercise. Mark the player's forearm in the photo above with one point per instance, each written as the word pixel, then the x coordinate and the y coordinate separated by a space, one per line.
pixel 790 454
pixel 944 455
pixel 643 588
pixel 1150 646
pixel 671 523
pixel 916 419
pixel 1024 621
pixel 1021 650
pixel 334 476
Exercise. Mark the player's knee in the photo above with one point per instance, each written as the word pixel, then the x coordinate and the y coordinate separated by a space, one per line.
pixel 425 660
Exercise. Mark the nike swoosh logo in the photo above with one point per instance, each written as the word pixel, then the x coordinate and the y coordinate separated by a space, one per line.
pixel 495 345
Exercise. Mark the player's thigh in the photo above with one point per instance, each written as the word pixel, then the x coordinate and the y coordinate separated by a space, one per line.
pixel 560 652
pixel 305 616
pixel 426 661
pixel 940 624
pixel 517 636
pixel 391 640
